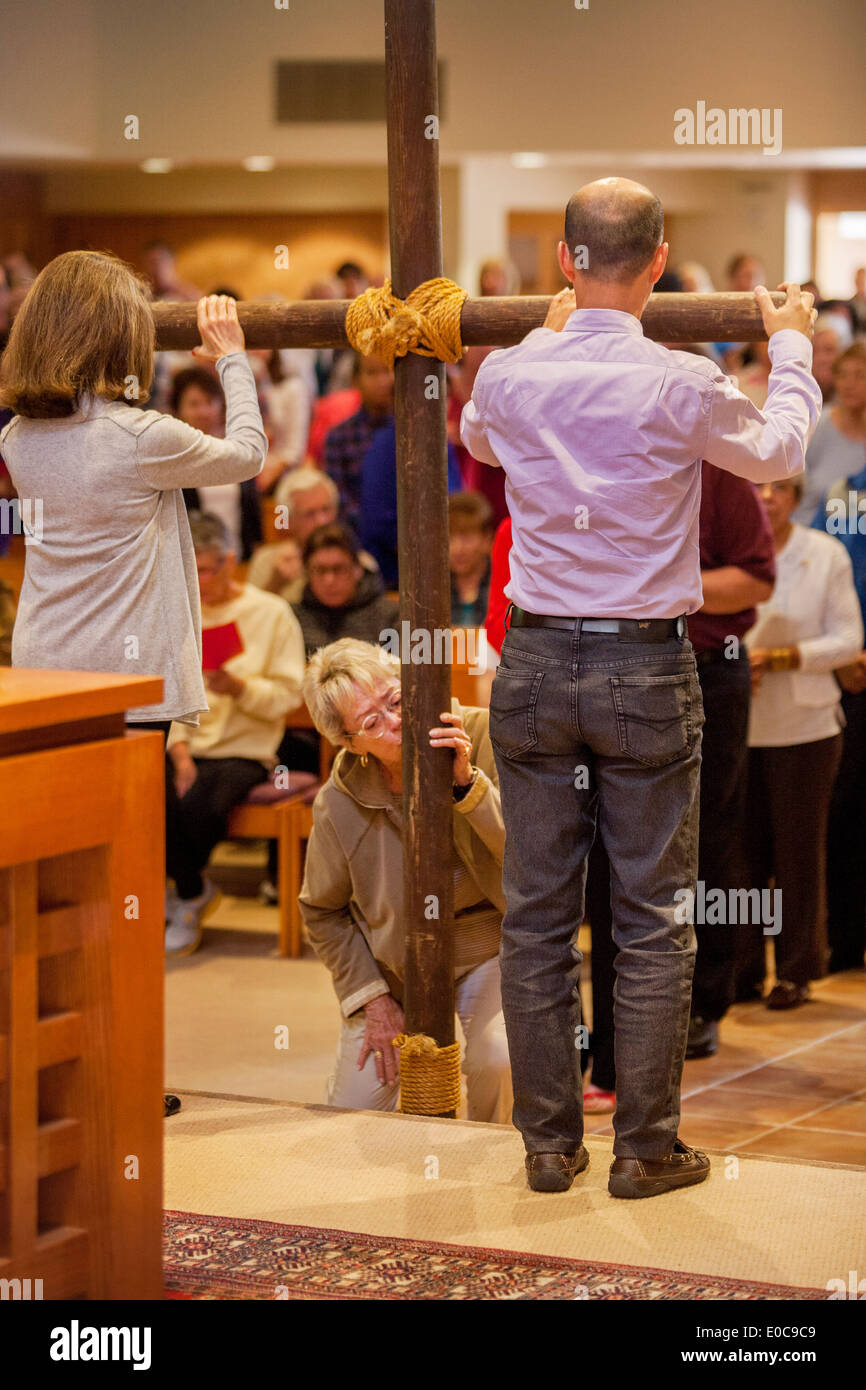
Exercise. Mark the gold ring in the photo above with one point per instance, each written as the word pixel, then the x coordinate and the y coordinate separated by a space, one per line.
pixel 378 1054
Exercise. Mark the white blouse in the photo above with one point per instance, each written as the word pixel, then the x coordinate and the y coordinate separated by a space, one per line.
pixel 815 607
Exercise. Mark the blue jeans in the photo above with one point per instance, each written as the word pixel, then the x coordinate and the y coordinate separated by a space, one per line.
pixel 591 733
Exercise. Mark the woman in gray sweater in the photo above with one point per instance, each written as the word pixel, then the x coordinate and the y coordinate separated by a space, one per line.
pixel 110 579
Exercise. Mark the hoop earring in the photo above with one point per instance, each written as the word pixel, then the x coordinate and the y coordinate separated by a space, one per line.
pixel 364 759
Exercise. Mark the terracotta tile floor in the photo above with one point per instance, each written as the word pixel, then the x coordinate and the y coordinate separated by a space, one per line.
pixel 789 1085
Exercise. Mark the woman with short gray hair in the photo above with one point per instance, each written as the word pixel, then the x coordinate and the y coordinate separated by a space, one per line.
pixel 352 895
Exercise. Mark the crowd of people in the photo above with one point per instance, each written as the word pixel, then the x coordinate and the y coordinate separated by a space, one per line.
pixel 248 510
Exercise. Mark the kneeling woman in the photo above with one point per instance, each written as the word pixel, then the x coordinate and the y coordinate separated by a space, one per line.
pixel 352 894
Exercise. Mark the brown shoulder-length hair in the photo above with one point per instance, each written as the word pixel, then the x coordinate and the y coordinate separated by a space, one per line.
pixel 85 325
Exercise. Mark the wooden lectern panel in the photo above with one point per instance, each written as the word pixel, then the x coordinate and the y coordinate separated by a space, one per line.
pixel 81 1017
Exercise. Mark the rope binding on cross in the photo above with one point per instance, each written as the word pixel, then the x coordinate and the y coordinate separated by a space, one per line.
pixel 426 322
pixel 429 1075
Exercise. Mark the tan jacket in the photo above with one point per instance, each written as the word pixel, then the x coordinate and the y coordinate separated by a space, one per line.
pixel 352 894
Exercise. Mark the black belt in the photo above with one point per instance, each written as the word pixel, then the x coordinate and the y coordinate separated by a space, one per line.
pixel 624 629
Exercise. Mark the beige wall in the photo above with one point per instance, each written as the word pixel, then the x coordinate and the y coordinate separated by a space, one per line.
pixel 522 74
pixel 716 212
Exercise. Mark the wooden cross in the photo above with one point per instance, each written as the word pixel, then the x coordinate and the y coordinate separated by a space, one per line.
pixel 425 595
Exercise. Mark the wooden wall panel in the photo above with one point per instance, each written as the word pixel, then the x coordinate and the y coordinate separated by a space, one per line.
pixel 81 1017
pixel 238 250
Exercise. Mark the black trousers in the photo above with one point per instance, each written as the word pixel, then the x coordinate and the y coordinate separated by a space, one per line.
pixel 846 844
pixel 196 822
pixel 787 811
pixel 726 688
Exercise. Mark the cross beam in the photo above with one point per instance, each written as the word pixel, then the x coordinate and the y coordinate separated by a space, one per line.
pixel 493 322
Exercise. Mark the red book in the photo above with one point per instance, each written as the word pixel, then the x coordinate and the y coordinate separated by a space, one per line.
pixel 219 645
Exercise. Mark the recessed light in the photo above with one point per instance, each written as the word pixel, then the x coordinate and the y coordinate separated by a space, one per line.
pixel 259 163
pixel 156 166
pixel 528 159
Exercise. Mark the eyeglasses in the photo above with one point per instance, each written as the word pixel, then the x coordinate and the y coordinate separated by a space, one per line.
pixel 374 725
pixel 206 571
pixel 319 571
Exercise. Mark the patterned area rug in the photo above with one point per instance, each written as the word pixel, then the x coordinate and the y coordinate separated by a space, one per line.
pixel 220 1257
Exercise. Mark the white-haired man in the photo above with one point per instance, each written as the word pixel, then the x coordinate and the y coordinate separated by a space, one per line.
pixel 311 500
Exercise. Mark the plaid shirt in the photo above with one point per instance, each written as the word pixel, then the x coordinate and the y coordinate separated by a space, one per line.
pixel 345 447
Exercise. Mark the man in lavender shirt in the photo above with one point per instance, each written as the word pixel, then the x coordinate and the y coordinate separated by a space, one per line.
pixel 596 710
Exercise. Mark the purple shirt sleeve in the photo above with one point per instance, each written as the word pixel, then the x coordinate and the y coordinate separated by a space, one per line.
pixel 767 444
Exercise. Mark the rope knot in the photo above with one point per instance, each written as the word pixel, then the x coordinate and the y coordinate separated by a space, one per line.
pixel 426 322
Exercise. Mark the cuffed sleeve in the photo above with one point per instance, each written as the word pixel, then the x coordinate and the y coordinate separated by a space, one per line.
pixel 769 444
pixel 173 455
pixel 483 809
pixel 474 435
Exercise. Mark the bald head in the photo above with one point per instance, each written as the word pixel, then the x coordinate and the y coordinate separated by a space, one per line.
pixel 619 223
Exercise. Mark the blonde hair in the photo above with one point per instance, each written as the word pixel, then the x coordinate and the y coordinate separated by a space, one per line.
pixel 337 672
pixel 85 325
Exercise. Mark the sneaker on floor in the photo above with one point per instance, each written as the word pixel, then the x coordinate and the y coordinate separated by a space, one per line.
pixel 172 901
pixel 183 933
pixel 267 893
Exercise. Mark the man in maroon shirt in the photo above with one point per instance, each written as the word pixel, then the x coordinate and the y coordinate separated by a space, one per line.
pixel 738 570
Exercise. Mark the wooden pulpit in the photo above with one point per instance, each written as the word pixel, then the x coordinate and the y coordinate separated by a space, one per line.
pixel 82 891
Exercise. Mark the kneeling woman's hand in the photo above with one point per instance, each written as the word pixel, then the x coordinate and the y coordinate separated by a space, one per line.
pixel 457 738
pixel 384 1020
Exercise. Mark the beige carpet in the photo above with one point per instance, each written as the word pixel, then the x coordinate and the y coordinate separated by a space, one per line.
pixel 771 1220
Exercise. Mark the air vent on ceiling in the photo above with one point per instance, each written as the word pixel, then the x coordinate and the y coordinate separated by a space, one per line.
pixel 312 92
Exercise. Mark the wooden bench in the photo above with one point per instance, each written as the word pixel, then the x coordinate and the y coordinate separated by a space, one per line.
pixel 275 817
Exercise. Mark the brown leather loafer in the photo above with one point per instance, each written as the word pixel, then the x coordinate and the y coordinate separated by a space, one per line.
pixel 786 995
pixel 555 1172
pixel 647 1177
